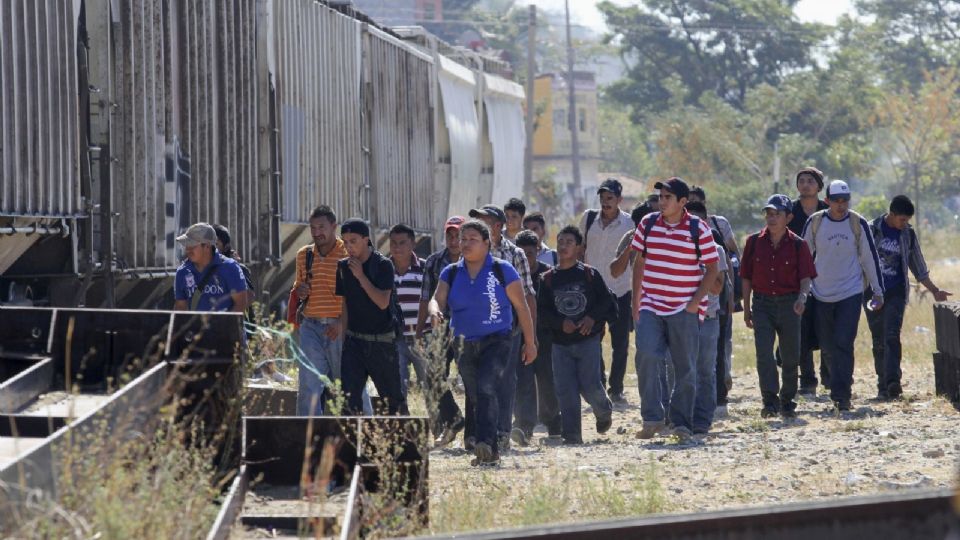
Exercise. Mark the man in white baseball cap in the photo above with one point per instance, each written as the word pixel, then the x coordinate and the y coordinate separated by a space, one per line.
pixel 207 281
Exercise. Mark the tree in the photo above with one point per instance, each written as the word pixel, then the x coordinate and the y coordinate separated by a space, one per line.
pixel 918 131
pixel 623 144
pixel 722 48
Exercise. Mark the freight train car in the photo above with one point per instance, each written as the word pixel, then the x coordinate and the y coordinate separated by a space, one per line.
pixel 125 121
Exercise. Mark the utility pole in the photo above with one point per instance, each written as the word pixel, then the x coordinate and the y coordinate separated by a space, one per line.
pixel 572 116
pixel 776 167
pixel 531 113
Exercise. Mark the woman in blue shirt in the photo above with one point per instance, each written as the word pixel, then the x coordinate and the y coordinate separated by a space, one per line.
pixel 480 291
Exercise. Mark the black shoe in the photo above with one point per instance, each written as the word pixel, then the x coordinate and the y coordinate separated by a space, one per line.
pixel 882 395
pixel 894 390
pixel 618 398
pixel 572 442
pixel 769 411
pixel 788 413
pixel 603 424
pixel 843 405
pixel 701 430
pixel 469 443
pixel 808 391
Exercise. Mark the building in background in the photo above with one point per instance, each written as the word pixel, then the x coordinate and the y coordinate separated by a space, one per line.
pixel 552 142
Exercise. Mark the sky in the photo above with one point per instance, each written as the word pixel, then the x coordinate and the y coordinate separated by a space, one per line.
pixel 584 12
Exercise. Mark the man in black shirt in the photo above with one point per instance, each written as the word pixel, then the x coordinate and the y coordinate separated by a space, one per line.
pixel 573 303
pixel 365 281
pixel 536 397
pixel 809 183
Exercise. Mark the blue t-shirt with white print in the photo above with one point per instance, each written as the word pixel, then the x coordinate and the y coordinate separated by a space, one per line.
pixel 891 259
pixel 227 278
pixel 479 306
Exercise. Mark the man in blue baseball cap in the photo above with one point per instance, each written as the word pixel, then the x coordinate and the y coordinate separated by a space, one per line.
pixel 778 269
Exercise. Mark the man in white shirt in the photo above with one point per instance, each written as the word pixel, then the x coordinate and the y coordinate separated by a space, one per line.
pixel 602 230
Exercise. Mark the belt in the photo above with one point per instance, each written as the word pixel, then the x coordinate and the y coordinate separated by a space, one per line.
pixel 388 337
pixel 322 320
pixel 791 295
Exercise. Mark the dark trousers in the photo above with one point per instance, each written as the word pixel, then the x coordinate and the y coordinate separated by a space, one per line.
pixel 536 396
pixel 507 391
pixel 620 329
pixel 885 326
pixel 809 343
pixel 774 319
pixel 836 330
pixel 483 364
pixel 722 342
pixel 377 360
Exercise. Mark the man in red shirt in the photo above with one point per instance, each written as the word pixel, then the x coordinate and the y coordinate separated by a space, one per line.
pixel 778 268
pixel 675 268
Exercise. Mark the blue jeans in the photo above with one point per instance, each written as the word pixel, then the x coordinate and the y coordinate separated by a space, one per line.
pixel 406 356
pixel 323 355
pixel 680 334
pixel 483 365
pixel 576 373
pixel 885 326
pixel 836 330
pixel 507 391
pixel 706 401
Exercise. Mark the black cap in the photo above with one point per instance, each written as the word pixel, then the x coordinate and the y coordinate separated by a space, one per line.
pixel 676 186
pixel 490 210
pixel 355 226
pixel 612 185
pixel 779 202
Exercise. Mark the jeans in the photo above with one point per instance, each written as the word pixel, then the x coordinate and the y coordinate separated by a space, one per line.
pixel 620 342
pixel 322 354
pixel 680 334
pixel 406 356
pixel 378 361
pixel 837 329
pixel 705 402
pixel 809 343
pixel 774 318
pixel 483 364
pixel 536 395
pixel 885 326
pixel 722 361
pixel 507 390
pixel 575 373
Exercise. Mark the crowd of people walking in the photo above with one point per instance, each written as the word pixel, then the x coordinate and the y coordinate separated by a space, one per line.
pixel 523 322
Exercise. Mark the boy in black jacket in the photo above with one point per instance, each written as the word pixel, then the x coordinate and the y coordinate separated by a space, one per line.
pixel 573 303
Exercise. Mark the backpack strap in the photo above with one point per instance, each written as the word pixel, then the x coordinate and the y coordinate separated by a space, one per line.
pixel 452 275
pixel 648 224
pixel 695 234
pixel 308 264
pixel 198 292
pixel 498 272
pixel 815 220
pixel 856 228
pixel 591 217
pixel 554 253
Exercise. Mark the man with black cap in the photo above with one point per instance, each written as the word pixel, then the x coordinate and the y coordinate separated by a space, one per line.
pixel 669 301
pixel 844 252
pixel 365 281
pixel 809 182
pixel 207 281
pixel 602 231
pixel 501 248
pixel 778 269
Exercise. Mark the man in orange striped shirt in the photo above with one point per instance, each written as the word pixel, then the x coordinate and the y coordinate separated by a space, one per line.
pixel 321 337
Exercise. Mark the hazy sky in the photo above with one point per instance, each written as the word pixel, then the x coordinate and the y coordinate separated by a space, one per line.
pixel 585 12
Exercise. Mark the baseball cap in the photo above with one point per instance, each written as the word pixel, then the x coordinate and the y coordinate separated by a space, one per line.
pixel 838 190
pixel 198 233
pixel 612 185
pixel 454 222
pixel 490 210
pixel 355 226
pixel 676 186
pixel 779 203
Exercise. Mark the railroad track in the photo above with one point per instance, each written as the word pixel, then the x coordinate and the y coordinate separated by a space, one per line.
pixel 70 377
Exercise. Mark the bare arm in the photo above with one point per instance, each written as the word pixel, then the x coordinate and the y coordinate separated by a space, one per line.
pixel 422 313
pixel 439 301
pixel 747 314
pixel 180 305
pixel 708 278
pixel 619 265
pixel 938 294
pixel 241 300
pixel 637 287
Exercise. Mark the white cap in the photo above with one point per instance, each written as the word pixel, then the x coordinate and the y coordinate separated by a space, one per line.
pixel 838 187
pixel 198 233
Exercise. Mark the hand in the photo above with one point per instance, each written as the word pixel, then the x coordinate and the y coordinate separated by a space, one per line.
pixel 941 295
pixel 693 307
pixel 569 326
pixel 586 326
pixel 635 308
pixel 355 267
pixel 529 353
pixel 436 319
pixel 799 306
pixel 748 317
pixel 333 330
pixel 303 290
pixel 877 302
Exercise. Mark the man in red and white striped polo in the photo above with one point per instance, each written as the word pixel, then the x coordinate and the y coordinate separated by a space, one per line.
pixel 678 259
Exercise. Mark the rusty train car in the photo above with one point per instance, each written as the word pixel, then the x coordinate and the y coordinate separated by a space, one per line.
pixel 124 121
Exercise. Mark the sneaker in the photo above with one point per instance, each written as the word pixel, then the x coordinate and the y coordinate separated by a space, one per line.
pixel 720 412
pixel 895 391
pixel 619 399
pixel 808 391
pixel 469 443
pixel 449 434
pixel 519 436
pixel 603 424
pixel 769 411
pixel 788 413
pixel 503 443
pixel 485 455
pixel 651 429
pixel 682 434
pixel 842 405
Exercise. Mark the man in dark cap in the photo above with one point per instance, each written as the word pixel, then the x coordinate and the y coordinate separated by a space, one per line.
pixel 365 281
pixel 809 183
